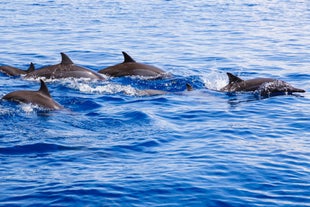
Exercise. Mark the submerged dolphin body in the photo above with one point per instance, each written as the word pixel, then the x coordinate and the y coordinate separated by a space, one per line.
pixel 265 86
pixel 129 67
pixel 65 69
pixel 41 97
pixel 154 92
pixel 12 71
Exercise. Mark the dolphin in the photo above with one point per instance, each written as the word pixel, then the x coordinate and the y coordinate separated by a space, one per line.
pixel 129 67
pixel 41 97
pixel 12 71
pixel 151 92
pixel 154 92
pixel 65 69
pixel 265 86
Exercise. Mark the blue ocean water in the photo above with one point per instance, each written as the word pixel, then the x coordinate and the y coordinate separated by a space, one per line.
pixel 111 146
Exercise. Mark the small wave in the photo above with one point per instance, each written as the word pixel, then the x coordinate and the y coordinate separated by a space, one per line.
pixel 4 111
pixel 143 146
pixel 84 104
pixel 35 148
pixel 136 117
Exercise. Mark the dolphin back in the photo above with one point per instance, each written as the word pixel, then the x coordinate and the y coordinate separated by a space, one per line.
pixel 65 69
pixel 129 67
pixel 41 97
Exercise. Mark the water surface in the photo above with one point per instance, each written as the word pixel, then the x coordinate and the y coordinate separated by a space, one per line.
pixel 113 147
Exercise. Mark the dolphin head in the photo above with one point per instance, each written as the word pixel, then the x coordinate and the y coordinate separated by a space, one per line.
pixel 277 87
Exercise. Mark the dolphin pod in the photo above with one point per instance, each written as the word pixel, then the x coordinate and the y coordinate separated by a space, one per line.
pixel 41 97
pixel 129 67
pixel 12 71
pixel 265 86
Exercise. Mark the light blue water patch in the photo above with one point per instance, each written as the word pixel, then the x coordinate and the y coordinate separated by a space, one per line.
pixel 114 146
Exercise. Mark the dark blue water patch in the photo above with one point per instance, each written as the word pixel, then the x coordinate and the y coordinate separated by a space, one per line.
pixel 143 146
pixel 250 5
pixel 237 98
pixel 299 76
pixel 300 122
pixel 37 148
pixel 80 104
pixel 134 118
pixel 118 100
pixel 80 193
pixel 174 84
pixel 164 101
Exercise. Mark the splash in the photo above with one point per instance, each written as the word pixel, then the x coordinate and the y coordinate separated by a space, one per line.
pixel 30 108
pixel 110 88
pixel 214 80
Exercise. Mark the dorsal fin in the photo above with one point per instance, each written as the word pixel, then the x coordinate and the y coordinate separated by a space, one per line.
pixel 189 87
pixel 31 68
pixel 233 79
pixel 43 89
pixel 65 60
pixel 127 58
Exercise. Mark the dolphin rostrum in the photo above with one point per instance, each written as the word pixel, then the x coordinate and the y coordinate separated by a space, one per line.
pixel 12 71
pixel 265 86
pixel 41 97
pixel 129 67
pixel 65 69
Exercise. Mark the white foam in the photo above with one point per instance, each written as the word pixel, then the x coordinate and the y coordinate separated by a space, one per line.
pixel 110 88
pixel 215 80
pixel 28 108
pixel 53 80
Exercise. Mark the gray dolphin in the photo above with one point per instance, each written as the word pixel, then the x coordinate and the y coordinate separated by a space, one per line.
pixel 129 67
pixel 65 69
pixel 151 92
pixel 12 71
pixel 265 86
pixel 41 97
pixel 154 92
